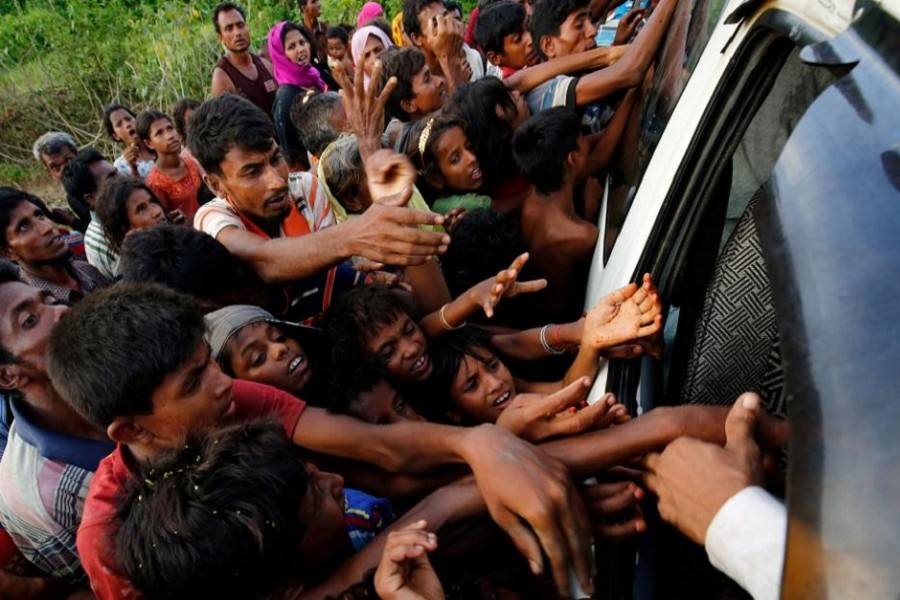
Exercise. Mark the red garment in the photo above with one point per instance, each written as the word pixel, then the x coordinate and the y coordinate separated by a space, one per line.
pixel 177 194
pixel 99 525
pixel 507 71
pixel 469 37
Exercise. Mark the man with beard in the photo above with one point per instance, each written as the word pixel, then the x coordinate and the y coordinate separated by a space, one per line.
pixel 240 71
pixel 29 238
pixel 287 234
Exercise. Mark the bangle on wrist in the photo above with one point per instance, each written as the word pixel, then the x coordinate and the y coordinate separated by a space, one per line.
pixel 556 339
pixel 445 324
pixel 547 347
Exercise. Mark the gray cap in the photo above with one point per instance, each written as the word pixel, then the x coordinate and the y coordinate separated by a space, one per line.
pixel 224 323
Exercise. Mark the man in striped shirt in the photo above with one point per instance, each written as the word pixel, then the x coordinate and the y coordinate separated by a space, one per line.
pixel 51 452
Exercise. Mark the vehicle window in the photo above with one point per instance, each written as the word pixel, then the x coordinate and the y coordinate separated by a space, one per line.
pixel 691 27
pixel 723 293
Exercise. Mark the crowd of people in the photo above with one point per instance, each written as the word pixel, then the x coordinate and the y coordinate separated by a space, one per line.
pixel 363 259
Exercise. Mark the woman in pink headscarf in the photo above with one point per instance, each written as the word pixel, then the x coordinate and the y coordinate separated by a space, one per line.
pixel 366 45
pixel 370 11
pixel 292 49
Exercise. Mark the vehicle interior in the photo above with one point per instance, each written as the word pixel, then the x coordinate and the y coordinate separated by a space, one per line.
pixel 721 337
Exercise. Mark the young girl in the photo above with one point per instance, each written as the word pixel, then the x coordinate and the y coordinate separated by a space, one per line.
pixel 125 206
pixel 491 112
pixel 449 172
pixel 136 160
pixel 176 181
pixel 292 48
pixel 368 42
pixel 181 113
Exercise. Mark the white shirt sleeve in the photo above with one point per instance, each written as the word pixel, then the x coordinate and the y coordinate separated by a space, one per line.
pixel 746 541
pixel 216 215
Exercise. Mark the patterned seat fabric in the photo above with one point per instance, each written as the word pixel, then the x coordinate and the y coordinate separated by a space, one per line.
pixel 735 346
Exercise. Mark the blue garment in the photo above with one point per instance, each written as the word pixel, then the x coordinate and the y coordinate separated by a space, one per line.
pixel 365 517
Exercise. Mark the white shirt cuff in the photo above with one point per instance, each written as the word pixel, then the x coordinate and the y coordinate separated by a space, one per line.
pixel 746 540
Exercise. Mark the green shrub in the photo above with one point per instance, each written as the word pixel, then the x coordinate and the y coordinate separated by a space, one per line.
pixel 62 61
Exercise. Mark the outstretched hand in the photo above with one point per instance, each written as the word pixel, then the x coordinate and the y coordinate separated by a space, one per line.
pixel 365 107
pixel 489 292
pixel 531 496
pixel 390 177
pixel 628 313
pixel 537 417
pixel 611 499
pixel 628 26
pixel 693 479
pixel 405 573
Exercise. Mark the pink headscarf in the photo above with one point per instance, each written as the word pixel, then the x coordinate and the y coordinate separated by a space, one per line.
pixel 288 72
pixel 358 44
pixel 370 11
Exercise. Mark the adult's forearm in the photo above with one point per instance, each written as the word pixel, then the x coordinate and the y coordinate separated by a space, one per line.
pixel 630 69
pixel 588 453
pixel 525 80
pixel 291 258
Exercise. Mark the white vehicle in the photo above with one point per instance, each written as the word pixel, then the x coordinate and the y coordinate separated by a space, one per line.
pixel 760 185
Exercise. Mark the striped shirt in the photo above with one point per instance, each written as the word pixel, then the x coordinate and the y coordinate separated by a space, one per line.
pixel 44 480
pixel 89 279
pixel 99 253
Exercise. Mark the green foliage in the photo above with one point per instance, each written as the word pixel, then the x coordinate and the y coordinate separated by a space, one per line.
pixel 61 61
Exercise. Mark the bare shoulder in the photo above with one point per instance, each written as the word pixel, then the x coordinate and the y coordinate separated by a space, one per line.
pixel 221 82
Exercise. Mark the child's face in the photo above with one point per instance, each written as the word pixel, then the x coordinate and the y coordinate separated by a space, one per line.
pixel 325 542
pixel 164 139
pixel 457 163
pixel 383 405
pixel 144 211
pixel 429 91
pixel 518 50
pixel 189 401
pixel 401 348
pixel 296 48
pixel 122 123
pixel 261 352
pixel 483 387
pixel 373 48
pixel 337 49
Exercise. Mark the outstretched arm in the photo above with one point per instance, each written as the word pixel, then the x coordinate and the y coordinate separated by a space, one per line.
pixel 529 494
pixel 629 70
pixel 525 80
pixel 484 296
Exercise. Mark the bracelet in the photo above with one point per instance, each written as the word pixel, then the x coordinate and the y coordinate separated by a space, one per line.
pixel 556 339
pixel 447 326
pixel 548 347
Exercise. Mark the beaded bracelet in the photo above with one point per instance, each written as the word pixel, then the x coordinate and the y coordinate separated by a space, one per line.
pixel 550 349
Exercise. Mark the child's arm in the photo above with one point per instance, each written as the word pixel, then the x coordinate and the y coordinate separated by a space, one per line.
pixel 537 417
pixel 484 295
pixel 457 501
pixel 405 573
pixel 539 342
pixel 604 144
pixel 525 80
pixel 629 70
pixel 624 315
